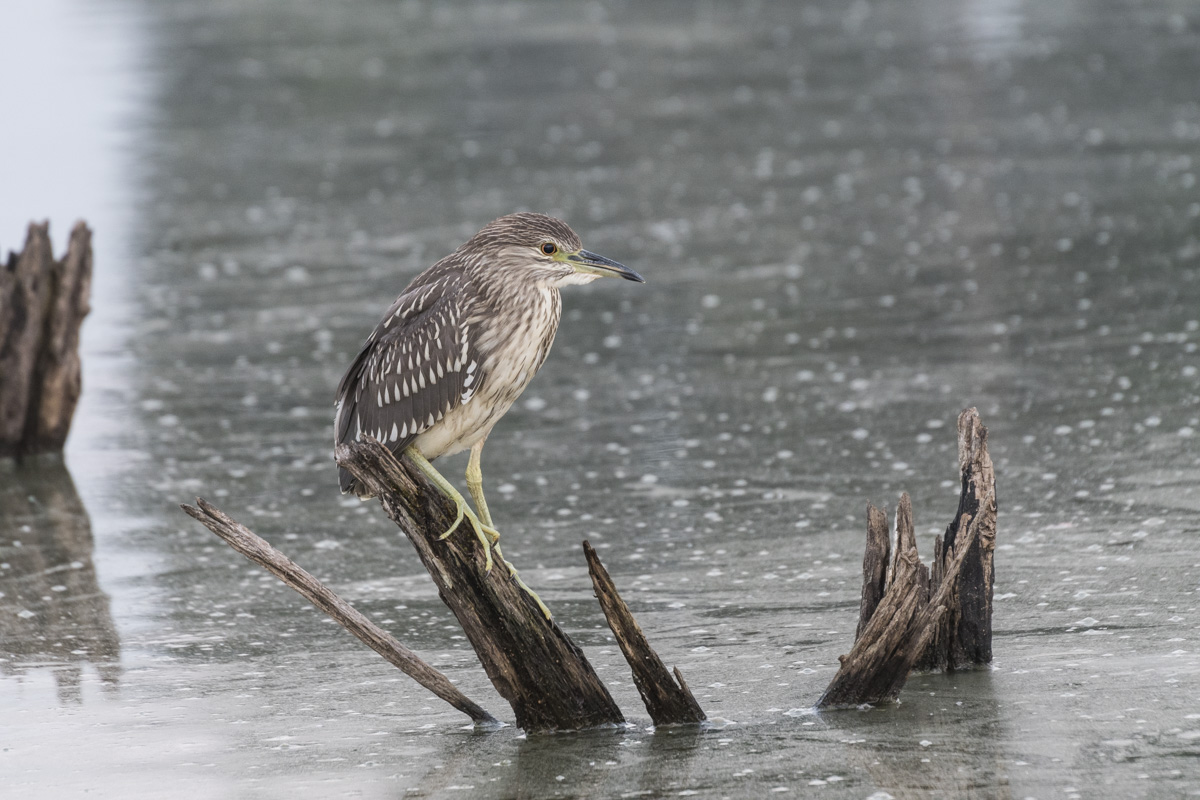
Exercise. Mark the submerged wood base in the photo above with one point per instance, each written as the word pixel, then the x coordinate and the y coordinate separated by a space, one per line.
pixel 910 618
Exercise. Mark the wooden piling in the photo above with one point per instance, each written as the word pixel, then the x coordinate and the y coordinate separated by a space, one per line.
pixel 42 306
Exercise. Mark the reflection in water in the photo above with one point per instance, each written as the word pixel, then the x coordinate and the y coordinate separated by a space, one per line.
pixel 672 753
pixel 960 740
pixel 52 610
pixel 576 764
pixel 570 765
pixel 860 217
pixel 994 26
pixel 605 762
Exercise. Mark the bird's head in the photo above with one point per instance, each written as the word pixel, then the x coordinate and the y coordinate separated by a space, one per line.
pixel 541 249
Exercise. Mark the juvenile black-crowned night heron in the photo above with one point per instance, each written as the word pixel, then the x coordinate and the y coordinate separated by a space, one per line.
pixel 458 346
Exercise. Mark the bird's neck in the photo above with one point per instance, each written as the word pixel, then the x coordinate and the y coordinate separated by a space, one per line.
pixel 525 295
pixel 534 304
pixel 531 314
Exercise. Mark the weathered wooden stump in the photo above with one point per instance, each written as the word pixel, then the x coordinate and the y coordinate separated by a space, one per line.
pixel 42 305
pixel 963 637
pixel 909 619
pixel 532 663
pixel 667 698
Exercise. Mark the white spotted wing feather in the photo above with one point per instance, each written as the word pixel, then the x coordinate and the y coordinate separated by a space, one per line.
pixel 416 367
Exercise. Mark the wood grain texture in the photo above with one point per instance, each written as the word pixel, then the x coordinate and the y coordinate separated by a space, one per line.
pixel 667 697
pixel 875 565
pixel 963 639
pixel 42 305
pixel 925 618
pixel 532 663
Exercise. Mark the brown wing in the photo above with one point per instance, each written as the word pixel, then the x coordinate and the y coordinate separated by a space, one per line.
pixel 415 367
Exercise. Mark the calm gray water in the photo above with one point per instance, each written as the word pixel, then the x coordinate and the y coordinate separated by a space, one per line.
pixel 855 219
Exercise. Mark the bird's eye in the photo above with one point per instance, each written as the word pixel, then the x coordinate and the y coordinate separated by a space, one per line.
pixel 549 248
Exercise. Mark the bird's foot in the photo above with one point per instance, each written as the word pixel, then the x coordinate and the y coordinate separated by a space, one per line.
pixel 487 535
pixel 517 577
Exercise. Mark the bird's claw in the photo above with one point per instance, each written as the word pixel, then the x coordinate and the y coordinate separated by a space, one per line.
pixel 517 577
pixel 487 535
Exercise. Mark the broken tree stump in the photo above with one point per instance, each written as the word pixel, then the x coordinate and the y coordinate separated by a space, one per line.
pixel 258 550
pixel 875 566
pixel 42 305
pixel 668 702
pixel 963 638
pixel 532 663
pixel 909 617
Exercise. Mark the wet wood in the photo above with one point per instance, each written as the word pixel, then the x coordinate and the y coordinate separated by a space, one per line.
pixel 875 563
pixel 42 305
pixel 912 617
pixel 532 663
pixel 667 697
pixel 963 638
pixel 262 553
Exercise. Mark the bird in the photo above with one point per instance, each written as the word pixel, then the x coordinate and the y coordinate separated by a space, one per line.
pixel 456 349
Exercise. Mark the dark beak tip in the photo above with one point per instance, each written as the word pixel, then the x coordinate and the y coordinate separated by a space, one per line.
pixel 613 267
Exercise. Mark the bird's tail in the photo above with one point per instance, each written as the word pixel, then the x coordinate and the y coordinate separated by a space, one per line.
pixel 350 485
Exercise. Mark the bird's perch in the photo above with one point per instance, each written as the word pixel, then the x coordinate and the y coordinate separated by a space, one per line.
pixel 530 660
pixel 669 702
pixel 909 619
pixel 42 305
pixel 532 663
pixel 262 553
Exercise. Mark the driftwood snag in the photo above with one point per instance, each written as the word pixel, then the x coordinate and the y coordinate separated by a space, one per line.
pixel 898 628
pixel 910 618
pixel 259 551
pixel 532 663
pixel 42 305
pixel 668 702
pixel 875 566
pixel 963 638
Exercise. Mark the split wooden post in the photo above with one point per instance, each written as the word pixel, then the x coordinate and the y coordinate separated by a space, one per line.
pixel 875 567
pixel 532 663
pixel 963 638
pixel 42 305
pixel 668 699
pixel 909 619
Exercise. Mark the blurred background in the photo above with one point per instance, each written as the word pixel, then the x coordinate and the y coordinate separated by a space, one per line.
pixel 854 219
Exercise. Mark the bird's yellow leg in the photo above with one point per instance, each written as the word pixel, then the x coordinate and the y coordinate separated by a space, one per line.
pixel 475 484
pixel 517 577
pixel 486 533
pixel 475 487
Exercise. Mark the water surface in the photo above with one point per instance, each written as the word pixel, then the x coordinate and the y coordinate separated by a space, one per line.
pixel 855 220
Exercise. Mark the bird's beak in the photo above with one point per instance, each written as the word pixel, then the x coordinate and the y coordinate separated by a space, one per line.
pixel 592 264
